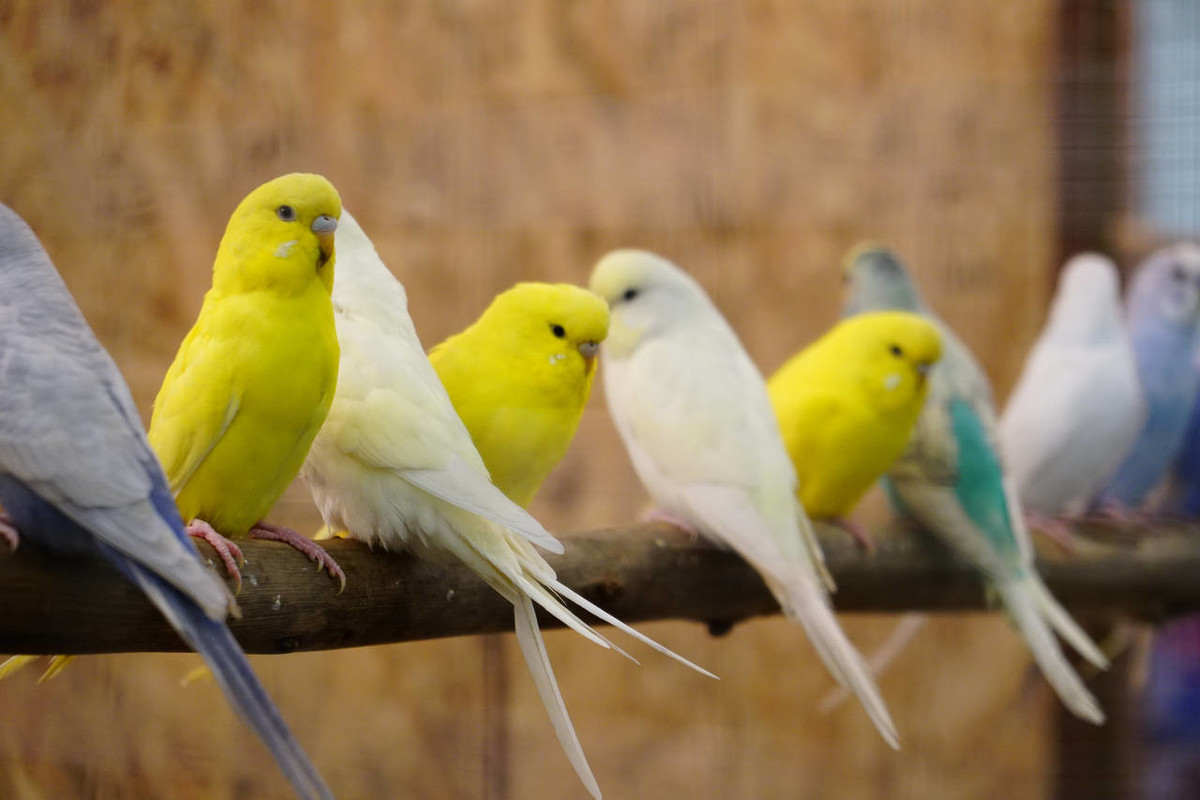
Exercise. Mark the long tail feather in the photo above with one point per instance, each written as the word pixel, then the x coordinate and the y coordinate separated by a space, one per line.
pixel 1067 627
pixel 805 602
pixel 14 664
pixel 1021 598
pixel 878 662
pixel 529 637
pixel 212 639
pixel 596 611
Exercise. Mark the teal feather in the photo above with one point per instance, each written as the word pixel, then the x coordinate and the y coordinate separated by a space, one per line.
pixel 980 483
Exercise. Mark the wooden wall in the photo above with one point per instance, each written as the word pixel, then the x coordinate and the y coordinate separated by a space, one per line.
pixel 482 143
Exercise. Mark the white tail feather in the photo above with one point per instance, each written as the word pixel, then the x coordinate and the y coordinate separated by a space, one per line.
pixel 1027 608
pixel 1066 627
pixel 878 662
pixel 529 637
pixel 803 601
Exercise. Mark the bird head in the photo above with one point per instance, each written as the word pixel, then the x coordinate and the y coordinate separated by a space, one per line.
pixel 1167 286
pixel 647 296
pixel 281 236
pixel 876 280
pixel 560 324
pixel 896 351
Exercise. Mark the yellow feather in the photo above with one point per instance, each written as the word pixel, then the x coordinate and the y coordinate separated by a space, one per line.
pixel 848 403
pixel 254 378
pixel 519 386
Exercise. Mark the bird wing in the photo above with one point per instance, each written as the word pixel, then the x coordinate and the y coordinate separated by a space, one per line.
pixel 198 401
pixel 393 413
pixel 68 432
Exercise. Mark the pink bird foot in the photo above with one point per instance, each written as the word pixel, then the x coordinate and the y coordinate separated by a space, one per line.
pixel 278 533
pixel 667 518
pixel 857 532
pixel 1055 529
pixel 8 532
pixel 229 553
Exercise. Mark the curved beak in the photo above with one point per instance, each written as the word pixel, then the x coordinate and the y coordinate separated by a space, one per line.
pixel 589 350
pixel 324 227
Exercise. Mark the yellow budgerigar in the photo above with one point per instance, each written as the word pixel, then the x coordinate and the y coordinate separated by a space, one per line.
pixel 520 376
pixel 847 405
pixel 254 378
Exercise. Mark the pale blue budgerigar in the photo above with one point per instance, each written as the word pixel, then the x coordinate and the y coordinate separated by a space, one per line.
pixel 1163 310
pixel 695 416
pixel 1077 406
pixel 395 466
pixel 77 476
pixel 1185 492
pixel 951 481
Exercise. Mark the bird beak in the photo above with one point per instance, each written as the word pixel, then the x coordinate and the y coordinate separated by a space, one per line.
pixel 324 227
pixel 589 350
pixel 923 371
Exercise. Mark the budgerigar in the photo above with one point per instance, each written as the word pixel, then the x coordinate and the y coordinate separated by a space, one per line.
pixel 394 466
pixel 950 479
pixel 694 414
pixel 254 378
pixel 77 476
pixel 520 376
pixel 1164 312
pixel 1078 405
pixel 847 405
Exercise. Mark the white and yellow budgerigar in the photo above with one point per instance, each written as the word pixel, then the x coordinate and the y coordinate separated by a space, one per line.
pixel 520 376
pixel 694 414
pixel 394 466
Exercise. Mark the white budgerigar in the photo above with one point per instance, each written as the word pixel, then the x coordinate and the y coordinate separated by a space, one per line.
pixel 394 466
pixel 694 414
pixel 1078 405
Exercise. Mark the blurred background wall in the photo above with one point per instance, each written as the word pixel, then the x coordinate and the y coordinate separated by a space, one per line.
pixel 481 143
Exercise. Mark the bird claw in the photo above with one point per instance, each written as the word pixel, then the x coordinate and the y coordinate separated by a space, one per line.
pixel 229 553
pixel 277 533
pixel 857 532
pixel 667 518
pixel 8 532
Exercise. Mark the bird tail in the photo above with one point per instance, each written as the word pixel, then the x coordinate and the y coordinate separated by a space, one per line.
pixel 1036 615
pixel 879 661
pixel 212 640
pixel 804 601
pixel 533 647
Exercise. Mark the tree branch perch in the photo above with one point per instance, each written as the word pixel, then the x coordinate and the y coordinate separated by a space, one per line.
pixel 50 604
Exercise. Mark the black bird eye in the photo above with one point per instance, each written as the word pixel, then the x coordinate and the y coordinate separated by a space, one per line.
pixel 629 295
pixel 558 330
pixel 1177 273
pixel 286 213
pixel 896 350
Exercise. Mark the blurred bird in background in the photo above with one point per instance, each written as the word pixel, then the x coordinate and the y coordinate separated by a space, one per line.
pixel 951 481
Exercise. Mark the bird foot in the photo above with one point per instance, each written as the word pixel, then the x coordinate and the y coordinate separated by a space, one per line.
pixel 857 532
pixel 667 518
pixel 278 533
pixel 1056 529
pixel 8 532
pixel 229 553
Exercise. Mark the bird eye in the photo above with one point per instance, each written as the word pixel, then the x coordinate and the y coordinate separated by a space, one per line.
pixel 896 350
pixel 629 295
pixel 558 330
pixel 286 213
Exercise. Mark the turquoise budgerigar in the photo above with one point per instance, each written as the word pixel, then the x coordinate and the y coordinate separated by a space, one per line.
pixel 951 481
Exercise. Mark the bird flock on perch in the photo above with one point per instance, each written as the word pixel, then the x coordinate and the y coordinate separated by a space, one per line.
pixel 290 371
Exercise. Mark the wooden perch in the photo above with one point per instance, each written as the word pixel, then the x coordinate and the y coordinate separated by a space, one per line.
pixel 50 604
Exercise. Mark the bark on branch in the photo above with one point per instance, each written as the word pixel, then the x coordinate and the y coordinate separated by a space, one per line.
pixel 49 604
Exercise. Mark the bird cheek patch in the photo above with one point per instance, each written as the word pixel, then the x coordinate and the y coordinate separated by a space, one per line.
pixel 286 248
pixel 891 382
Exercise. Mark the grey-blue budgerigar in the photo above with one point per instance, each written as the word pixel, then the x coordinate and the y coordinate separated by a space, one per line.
pixel 77 476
